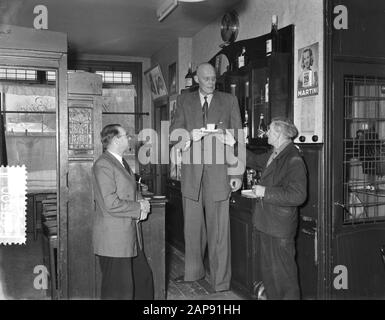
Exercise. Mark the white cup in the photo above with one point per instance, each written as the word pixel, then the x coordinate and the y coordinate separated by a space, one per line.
pixel 211 126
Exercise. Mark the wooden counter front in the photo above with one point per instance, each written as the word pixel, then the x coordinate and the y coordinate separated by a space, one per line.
pixel 155 245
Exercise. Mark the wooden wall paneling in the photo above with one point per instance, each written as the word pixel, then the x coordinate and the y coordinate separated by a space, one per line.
pixel 83 275
pixel 366 271
pixel 81 262
pixel 62 159
pixel 309 214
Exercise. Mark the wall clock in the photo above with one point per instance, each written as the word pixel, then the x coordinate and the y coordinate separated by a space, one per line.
pixel 229 26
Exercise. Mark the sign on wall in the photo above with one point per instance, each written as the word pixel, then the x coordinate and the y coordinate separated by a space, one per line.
pixel 308 105
pixel 308 71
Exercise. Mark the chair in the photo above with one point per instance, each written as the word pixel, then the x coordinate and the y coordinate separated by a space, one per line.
pixel 37 199
pixel 50 242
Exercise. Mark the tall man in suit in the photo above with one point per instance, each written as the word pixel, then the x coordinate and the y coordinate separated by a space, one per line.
pixel 116 232
pixel 206 186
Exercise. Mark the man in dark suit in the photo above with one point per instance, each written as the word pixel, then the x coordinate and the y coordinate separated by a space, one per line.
pixel 116 230
pixel 205 181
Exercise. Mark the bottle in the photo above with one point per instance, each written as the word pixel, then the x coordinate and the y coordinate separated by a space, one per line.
pixel 188 79
pixel 267 90
pixel 246 127
pixel 262 128
pixel 272 40
pixel 242 58
pixel 194 83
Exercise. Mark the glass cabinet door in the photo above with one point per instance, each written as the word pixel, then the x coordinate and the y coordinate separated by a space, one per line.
pixel 364 149
pixel 259 99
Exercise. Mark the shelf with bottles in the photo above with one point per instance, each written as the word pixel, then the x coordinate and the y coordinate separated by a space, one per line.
pixel 261 81
pixel 190 83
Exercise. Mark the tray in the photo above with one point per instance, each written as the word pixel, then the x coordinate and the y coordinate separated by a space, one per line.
pixel 210 131
pixel 159 197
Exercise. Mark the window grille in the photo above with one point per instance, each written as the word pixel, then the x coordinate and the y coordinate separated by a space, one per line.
pixel 116 77
pixel 51 76
pixel 18 74
pixel 364 150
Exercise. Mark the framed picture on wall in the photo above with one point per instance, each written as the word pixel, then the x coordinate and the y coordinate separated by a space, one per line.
pixel 156 82
pixel 172 84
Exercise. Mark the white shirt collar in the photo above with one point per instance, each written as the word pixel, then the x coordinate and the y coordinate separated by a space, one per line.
pixel 118 157
pixel 202 97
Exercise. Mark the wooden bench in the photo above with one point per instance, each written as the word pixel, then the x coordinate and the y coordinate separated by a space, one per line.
pixel 50 242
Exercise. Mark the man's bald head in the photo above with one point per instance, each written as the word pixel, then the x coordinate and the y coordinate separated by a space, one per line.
pixel 205 66
pixel 206 78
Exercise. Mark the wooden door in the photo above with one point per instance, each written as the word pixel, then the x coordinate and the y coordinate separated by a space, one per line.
pixel 358 188
pixel 307 235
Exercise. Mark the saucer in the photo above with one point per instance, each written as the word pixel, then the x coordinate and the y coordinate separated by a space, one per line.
pixel 210 131
pixel 159 197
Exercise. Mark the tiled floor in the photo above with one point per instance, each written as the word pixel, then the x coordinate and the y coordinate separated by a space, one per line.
pixel 198 290
pixel 17 263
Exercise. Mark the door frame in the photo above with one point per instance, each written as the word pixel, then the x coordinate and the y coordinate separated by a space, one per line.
pixel 159 168
pixel 342 66
pixel 55 61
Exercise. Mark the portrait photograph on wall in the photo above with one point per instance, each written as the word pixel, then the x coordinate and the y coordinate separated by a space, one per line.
pixel 308 71
pixel 172 83
pixel 156 82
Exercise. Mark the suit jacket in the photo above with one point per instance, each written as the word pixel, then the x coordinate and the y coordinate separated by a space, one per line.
pixel 223 108
pixel 117 211
pixel 285 180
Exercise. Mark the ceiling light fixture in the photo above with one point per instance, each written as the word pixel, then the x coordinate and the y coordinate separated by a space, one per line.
pixel 168 6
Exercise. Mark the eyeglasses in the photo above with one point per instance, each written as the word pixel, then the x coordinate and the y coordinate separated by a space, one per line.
pixel 129 137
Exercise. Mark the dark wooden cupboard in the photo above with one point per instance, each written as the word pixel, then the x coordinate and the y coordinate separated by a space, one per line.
pixel 244 253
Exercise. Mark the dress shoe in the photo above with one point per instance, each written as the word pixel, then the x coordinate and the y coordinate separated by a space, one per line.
pixel 180 280
pixel 222 290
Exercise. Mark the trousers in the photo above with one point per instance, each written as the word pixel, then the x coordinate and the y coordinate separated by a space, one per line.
pixel 126 278
pixel 278 267
pixel 207 222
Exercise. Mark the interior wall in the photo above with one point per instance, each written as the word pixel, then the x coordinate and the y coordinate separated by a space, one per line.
pixel 184 58
pixel 180 52
pixel 255 20
pixel 165 58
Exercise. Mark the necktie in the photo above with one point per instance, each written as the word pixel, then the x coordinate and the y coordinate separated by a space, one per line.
pixel 205 111
pixel 125 164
